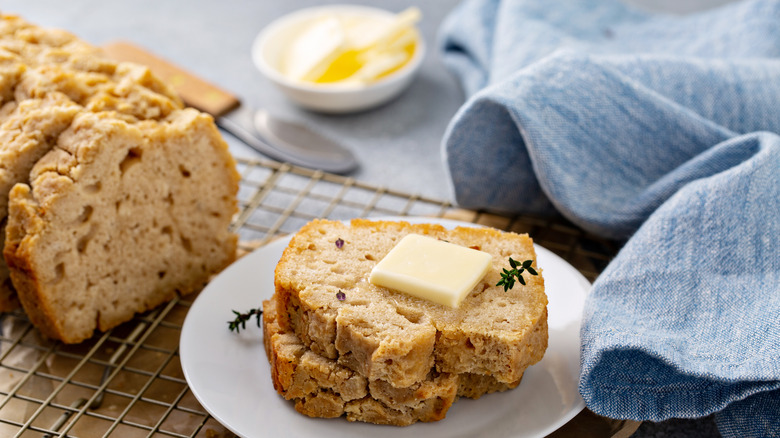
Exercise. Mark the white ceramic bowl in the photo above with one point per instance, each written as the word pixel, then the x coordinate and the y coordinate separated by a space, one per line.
pixel 269 46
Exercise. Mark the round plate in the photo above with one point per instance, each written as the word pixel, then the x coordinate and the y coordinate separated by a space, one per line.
pixel 230 375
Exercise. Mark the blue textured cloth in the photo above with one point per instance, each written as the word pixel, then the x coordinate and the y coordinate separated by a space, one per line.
pixel 658 129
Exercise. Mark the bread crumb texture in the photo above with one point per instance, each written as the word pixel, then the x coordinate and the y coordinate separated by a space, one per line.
pixel 113 195
pixel 325 307
pixel 321 387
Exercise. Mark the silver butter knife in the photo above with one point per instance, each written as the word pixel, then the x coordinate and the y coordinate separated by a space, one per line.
pixel 278 139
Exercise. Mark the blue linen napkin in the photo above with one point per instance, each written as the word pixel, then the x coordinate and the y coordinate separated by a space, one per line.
pixel 659 129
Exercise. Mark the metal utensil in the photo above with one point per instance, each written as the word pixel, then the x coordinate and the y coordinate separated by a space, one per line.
pixel 286 141
pixel 278 139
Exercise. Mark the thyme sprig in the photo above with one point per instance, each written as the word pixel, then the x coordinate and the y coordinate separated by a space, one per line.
pixel 508 276
pixel 241 318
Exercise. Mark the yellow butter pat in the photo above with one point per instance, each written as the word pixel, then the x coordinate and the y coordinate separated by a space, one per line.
pixel 350 48
pixel 432 269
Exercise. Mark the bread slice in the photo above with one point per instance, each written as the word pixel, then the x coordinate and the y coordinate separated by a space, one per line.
pixel 388 335
pixel 47 76
pixel 27 132
pixel 119 217
pixel 320 387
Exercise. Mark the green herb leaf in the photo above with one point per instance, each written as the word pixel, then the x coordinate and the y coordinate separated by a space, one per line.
pixel 241 318
pixel 508 277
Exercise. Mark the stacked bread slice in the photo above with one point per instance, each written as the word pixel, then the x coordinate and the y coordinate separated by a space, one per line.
pixel 340 345
pixel 114 197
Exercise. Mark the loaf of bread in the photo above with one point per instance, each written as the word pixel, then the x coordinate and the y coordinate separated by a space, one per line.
pixel 113 196
pixel 47 76
pixel 320 387
pixel 388 335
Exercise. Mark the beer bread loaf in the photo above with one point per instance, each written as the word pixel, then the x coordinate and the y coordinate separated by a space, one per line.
pixel 47 76
pixel 113 196
pixel 118 218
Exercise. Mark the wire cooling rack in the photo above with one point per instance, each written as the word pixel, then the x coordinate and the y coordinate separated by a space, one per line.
pixel 128 382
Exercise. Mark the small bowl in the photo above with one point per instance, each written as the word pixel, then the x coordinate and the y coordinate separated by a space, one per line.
pixel 269 45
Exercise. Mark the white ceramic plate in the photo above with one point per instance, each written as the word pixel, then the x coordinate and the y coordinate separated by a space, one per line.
pixel 230 376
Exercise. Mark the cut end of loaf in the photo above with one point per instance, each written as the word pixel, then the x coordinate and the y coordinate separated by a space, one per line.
pixel 120 217
pixel 106 153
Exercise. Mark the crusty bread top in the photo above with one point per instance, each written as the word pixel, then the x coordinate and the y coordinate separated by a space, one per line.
pixel 35 62
pixel 387 334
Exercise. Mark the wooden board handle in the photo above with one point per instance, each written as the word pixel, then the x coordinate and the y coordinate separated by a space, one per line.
pixel 195 91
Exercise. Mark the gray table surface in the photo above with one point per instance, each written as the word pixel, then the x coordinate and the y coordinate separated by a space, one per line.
pixel 397 145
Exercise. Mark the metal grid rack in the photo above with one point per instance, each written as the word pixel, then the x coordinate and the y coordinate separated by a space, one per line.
pixel 128 382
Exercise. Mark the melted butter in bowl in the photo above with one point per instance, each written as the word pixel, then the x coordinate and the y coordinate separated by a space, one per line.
pixel 341 59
